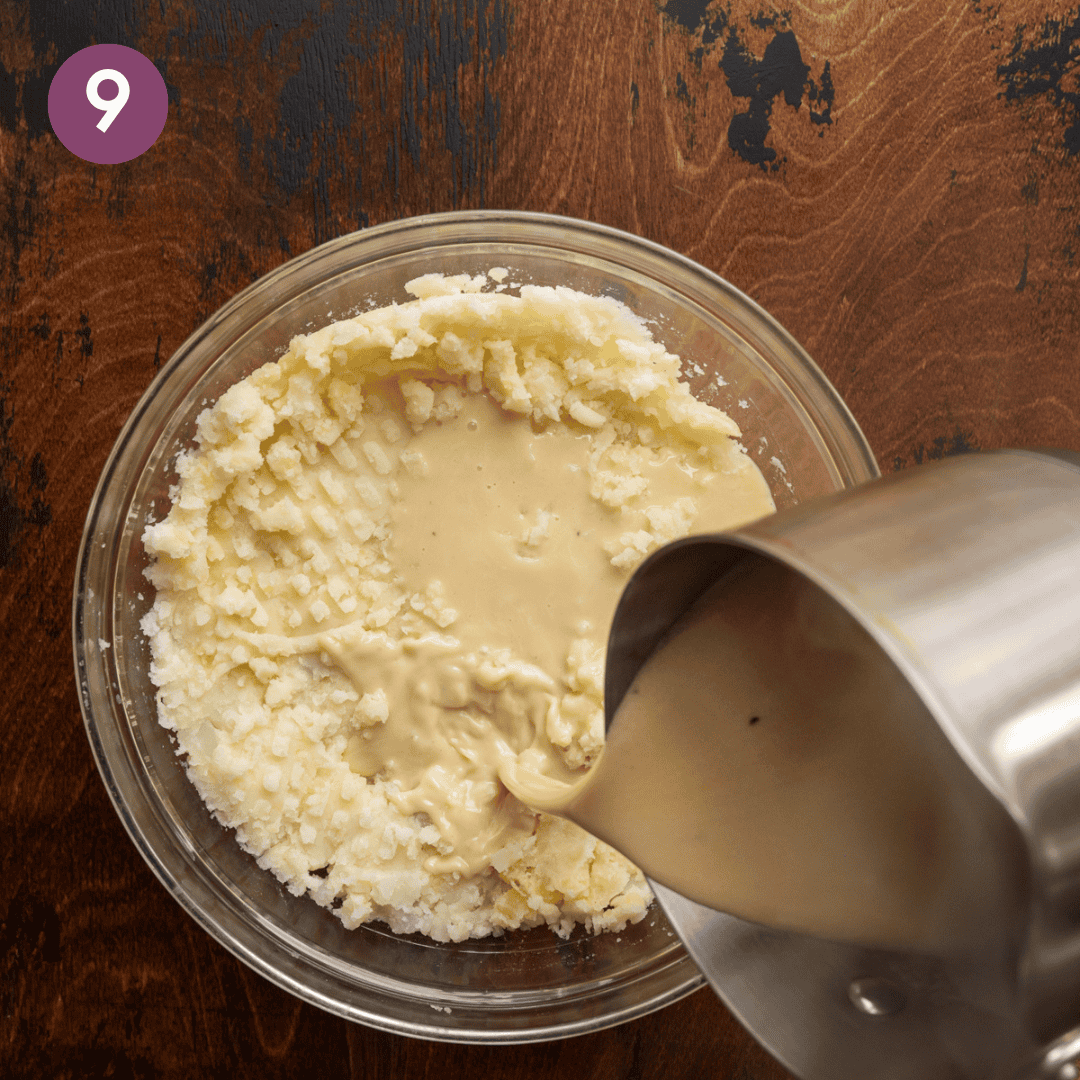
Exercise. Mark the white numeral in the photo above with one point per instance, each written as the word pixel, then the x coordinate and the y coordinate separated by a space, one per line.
pixel 112 108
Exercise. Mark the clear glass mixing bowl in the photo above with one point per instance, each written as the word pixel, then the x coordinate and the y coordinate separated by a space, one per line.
pixel 522 987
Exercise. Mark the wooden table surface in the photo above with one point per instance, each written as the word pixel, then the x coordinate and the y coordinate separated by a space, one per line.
pixel 898 183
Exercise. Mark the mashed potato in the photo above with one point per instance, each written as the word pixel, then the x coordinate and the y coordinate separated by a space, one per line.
pixel 387 575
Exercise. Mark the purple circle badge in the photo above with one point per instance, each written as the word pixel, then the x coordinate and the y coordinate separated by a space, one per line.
pixel 108 104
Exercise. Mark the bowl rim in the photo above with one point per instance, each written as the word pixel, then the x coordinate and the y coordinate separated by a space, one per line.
pixel 847 443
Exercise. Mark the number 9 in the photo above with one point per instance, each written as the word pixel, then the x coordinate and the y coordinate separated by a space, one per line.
pixel 111 108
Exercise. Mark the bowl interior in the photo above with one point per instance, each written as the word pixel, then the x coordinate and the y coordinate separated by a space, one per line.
pixel 524 986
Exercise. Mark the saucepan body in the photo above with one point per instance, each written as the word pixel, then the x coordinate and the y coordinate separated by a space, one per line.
pixel 966 573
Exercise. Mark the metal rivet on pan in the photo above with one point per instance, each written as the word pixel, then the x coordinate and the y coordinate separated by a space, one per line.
pixel 876 997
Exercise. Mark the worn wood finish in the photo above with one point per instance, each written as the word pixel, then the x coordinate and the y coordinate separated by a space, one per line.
pixel 897 183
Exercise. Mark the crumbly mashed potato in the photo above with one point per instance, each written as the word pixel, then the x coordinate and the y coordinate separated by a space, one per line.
pixel 386 579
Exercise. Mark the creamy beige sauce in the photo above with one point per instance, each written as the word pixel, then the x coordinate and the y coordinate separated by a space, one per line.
pixel 793 777
pixel 498 515
pixel 502 517
pixel 501 514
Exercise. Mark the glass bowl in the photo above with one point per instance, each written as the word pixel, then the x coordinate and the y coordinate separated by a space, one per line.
pixel 527 986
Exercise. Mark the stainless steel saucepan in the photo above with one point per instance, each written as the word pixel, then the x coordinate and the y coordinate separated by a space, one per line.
pixel 966 572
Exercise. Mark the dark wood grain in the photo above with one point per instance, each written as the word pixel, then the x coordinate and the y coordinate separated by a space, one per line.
pixel 897 183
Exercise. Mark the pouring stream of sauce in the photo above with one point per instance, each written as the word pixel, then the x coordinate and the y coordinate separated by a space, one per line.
pixel 770 761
